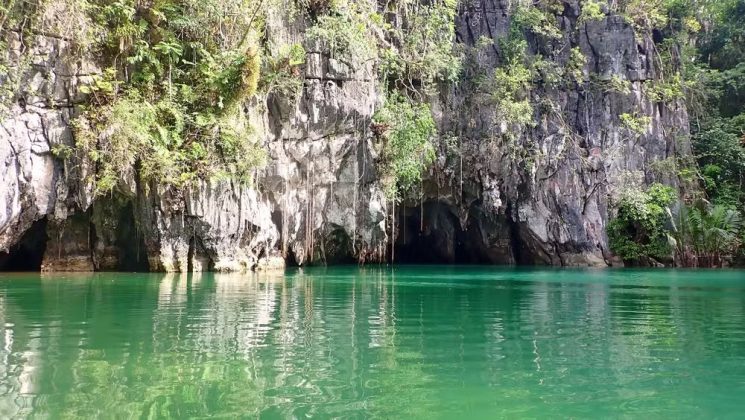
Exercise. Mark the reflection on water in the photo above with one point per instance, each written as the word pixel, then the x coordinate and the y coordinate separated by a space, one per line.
pixel 348 342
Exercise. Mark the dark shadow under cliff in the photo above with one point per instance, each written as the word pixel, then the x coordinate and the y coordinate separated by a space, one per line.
pixel 434 233
pixel 130 243
pixel 28 254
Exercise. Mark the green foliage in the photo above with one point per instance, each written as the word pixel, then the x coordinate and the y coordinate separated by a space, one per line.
pixel 550 73
pixel 683 168
pixel 636 124
pixel 170 107
pixel 535 19
pixel 171 104
pixel 102 85
pixel 62 151
pixel 683 15
pixel 666 91
pixel 345 35
pixel 160 137
pixel 722 45
pixel 282 70
pixel 64 18
pixel 614 84
pixel 728 87
pixel 510 86
pixel 417 54
pixel 591 10
pixel 645 15
pixel 638 231
pixel 576 64
pixel 427 53
pixel 703 234
pixel 661 195
pixel 407 129
pixel 713 81
pixel 721 154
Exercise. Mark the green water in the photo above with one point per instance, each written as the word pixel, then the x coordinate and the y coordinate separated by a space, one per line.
pixel 425 342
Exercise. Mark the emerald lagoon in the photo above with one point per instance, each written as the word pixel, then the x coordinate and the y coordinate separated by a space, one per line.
pixel 375 342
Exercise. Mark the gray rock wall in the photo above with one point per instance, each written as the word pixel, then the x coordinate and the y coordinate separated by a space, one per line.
pixel 33 121
pixel 553 186
pixel 542 198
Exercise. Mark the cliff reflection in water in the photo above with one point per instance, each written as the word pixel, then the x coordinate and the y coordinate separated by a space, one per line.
pixel 348 342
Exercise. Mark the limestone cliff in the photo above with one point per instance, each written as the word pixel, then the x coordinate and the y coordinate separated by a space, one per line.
pixel 544 197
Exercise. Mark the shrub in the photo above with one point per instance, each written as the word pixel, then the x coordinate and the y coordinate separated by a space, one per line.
pixel 345 35
pixel 638 231
pixel 179 114
pixel 282 72
pixel 704 234
pixel 665 91
pixel 721 154
pixel 614 84
pixel 576 64
pixel 535 19
pixel 591 10
pixel 407 130
pixel 645 15
pixel 636 124
pixel 510 87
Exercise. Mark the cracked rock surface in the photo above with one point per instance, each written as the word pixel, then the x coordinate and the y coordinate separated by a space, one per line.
pixel 543 198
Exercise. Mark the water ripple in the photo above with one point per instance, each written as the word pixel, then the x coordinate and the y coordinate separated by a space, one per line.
pixel 359 343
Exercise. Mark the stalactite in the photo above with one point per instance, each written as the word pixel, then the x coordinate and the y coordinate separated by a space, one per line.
pixel 421 206
pixel 307 216
pixel 311 229
pixel 285 230
pixel 393 231
pixel 460 156
pixel 354 205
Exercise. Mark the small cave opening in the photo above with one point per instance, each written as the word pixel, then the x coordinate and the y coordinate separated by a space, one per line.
pixel 335 247
pixel 290 259
pixel 130 242
pixel 432 233
pixel 523 256
pixel 197 257
pixel 429 234
pixel 28 253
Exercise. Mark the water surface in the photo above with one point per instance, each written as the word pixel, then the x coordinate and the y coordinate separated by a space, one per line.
pixel 424 342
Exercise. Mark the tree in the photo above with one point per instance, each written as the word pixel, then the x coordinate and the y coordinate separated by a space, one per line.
pixel 704 234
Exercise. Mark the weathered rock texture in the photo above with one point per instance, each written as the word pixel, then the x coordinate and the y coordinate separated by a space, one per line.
pixel 541 198
pixel 553 184
pixel 36 185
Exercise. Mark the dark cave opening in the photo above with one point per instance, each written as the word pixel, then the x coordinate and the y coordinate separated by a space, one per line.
pixel 524 255
pixel 28 253
pixel 429 234
pixel 433 234
pixel 335 247
pixel 290 259
pixel 130 243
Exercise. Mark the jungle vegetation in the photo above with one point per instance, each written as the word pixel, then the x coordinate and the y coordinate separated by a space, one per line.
pixel 700 225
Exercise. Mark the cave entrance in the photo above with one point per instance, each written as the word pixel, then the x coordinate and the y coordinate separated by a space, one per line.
pixel 28 253
pixel 130 242
pixel 432 234
pixel 429 234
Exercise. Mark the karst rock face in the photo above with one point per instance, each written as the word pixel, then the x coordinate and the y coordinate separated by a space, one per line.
pixel 542 195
